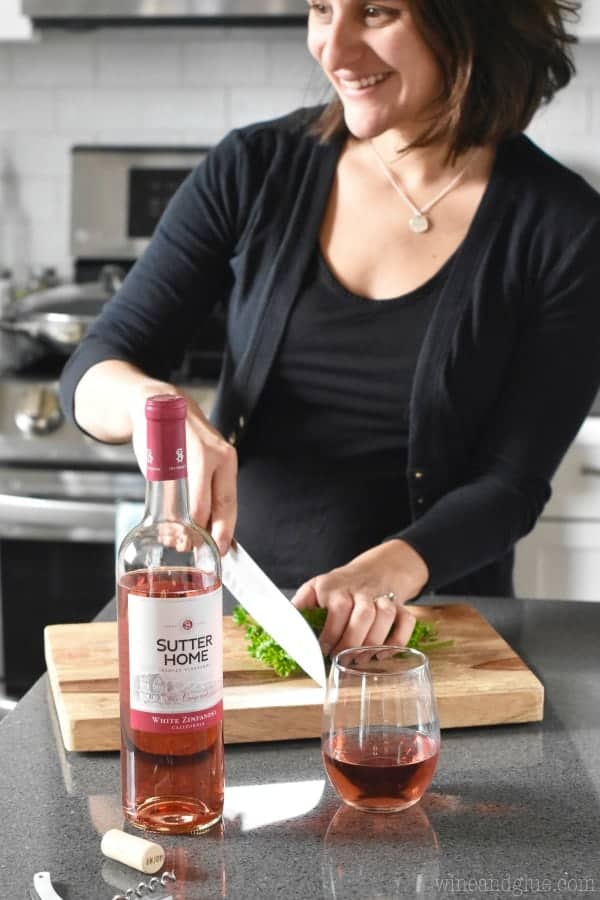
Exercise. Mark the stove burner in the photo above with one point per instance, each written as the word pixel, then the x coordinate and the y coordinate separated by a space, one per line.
pixel 39 412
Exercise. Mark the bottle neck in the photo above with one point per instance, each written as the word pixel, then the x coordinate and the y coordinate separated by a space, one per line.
pixel 166 469
pixel 167 501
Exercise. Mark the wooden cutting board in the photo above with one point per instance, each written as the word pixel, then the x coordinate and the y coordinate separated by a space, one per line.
pixel 478 681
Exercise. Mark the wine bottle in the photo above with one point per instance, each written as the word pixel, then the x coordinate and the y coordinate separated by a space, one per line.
pixel 170 615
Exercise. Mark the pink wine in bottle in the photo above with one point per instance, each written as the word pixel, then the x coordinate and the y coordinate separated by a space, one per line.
pixel 170 623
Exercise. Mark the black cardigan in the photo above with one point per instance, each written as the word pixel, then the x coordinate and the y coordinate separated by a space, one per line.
pixel 510 363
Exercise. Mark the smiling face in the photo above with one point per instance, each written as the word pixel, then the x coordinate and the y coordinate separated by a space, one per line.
pixel 384 73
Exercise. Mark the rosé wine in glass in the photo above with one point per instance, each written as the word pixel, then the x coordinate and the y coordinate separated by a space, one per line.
pixel 381 737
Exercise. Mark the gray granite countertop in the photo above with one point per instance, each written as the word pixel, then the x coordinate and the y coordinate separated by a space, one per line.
pixel 512 811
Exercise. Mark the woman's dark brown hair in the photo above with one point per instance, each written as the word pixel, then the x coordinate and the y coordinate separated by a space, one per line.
pixel 500 59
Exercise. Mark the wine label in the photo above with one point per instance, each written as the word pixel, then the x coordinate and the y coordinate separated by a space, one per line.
pixel 176 662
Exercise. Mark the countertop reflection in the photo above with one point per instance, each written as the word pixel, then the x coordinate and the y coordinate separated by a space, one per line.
pixel 512 809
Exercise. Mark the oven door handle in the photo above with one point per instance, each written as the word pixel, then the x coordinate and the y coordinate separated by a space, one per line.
pixel 42 519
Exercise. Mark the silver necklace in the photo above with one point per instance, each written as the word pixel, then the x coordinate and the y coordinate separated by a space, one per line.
pixel 418 222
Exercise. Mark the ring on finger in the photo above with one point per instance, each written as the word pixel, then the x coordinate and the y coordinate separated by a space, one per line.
pixel 387 595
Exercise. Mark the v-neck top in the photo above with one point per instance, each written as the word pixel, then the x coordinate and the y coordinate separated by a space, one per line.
pixel 508 368
pixel 340 384
pixel 322 474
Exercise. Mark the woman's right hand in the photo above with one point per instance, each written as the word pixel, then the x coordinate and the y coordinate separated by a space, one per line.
pixel 212 465
pixel 109 404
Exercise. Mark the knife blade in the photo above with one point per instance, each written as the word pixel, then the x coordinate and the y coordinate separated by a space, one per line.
pixel 259 596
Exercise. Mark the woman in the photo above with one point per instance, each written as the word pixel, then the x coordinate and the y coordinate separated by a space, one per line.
pixel 413 314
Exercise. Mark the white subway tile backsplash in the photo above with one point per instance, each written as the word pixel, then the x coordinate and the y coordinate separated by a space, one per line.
pixel 156 36
pixel 61 63
pixel 189 110
pixel 293 33
pixel 290 63
pixel 6 61
pixel 224 62
pixel 249 106
pixel 202 137
pixel 22 109
pixel 205 137
pixel 138 65
pixel 42 197
pixel 42 153
pixel 49 246
pixel 587 62
pixel 134 137
pixel 569 111
pixel 164 137
pixel 78 111
pixel 596 112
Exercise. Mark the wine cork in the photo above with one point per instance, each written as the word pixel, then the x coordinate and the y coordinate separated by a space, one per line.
pixel 133 851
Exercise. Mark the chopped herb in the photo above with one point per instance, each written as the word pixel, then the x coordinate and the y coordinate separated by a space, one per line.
pixel 261 645
pixel 424 637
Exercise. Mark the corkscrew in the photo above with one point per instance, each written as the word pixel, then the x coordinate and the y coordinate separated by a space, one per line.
pixel 43 888
pixel 148 887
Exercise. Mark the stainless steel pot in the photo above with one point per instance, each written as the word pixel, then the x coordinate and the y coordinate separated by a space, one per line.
pixel 54 320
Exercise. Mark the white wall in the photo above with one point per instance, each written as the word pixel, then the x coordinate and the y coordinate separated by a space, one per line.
pixel 175 86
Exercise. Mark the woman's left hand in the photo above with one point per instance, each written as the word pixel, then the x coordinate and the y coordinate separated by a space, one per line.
pixel 364 599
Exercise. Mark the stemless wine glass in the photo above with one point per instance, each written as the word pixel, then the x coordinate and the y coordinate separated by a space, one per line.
pixel 381 734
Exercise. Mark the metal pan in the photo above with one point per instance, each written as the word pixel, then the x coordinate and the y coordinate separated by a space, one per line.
pixel 60 332
pixel 54 320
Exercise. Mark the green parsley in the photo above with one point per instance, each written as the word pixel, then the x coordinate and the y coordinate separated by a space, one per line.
pixel 261 645
pixel 424 637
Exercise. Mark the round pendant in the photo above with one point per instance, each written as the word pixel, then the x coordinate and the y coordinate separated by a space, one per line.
pixel 418 224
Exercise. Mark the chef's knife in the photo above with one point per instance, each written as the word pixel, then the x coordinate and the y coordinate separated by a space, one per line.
pixel 270 608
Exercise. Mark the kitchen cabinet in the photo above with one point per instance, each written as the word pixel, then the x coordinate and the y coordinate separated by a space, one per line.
pixel 561 557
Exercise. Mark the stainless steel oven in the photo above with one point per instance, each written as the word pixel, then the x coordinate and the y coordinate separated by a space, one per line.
pixel 60 495
pixel 118 194
pixel 60 491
